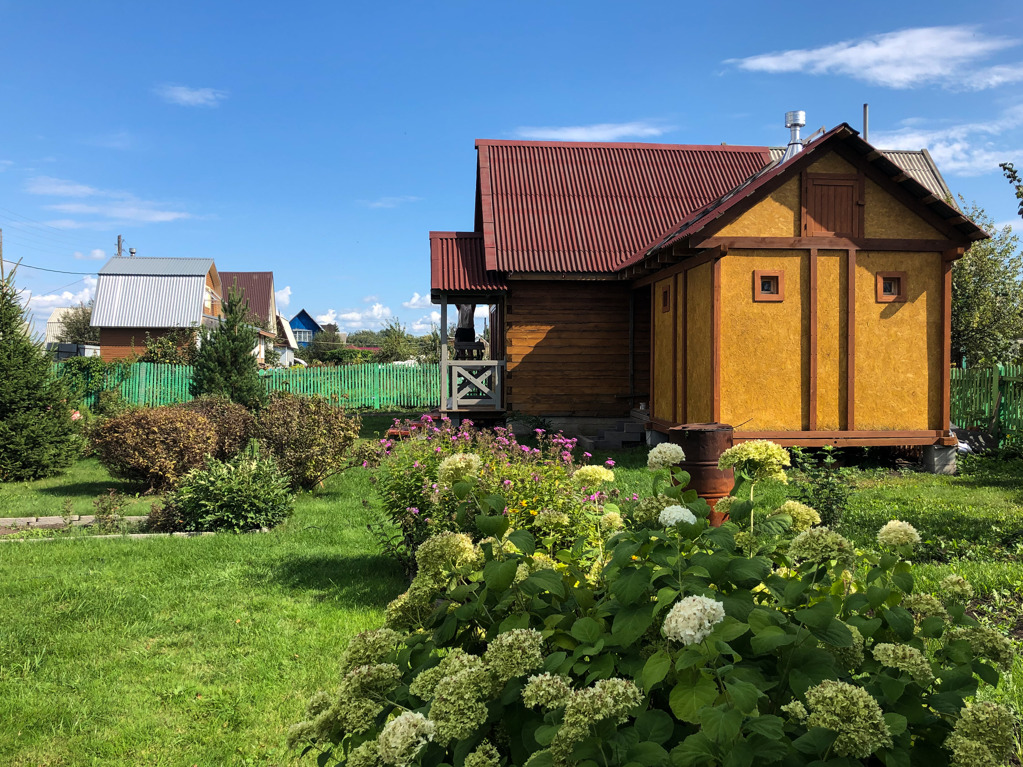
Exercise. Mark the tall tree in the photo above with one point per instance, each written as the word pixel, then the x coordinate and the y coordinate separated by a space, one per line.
pixel 37 435
pixel 987 297
pixel 325 342
pixel 395 344
pixel 225 364
pixel 76 328
pixel 1017 183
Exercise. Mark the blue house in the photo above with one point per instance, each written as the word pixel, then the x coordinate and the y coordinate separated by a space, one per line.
pixel 304 327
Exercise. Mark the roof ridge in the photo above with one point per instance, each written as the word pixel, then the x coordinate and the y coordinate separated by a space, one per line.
pixel 621 145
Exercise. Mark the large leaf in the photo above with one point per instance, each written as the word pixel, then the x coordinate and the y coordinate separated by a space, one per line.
pixel 694 751
pixel 522 540
pixel 495 525
pixel 769 726
pixel 628 588
pixel 544 580
pixel 586 630
pixel 655 725
pixel 499 574
pixel 630 623
pixel 743 571
pixel 770 639
pixel 655 669
pixel 721 723
pixel 744 695
pixel 836 634
pixel 691 694
pixel 819 616
pixel 647 754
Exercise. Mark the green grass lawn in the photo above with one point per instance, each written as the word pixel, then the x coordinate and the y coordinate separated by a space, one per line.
pixel 201 651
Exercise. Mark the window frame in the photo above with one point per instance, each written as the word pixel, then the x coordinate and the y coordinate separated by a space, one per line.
pixel 891 298
pixel 759 275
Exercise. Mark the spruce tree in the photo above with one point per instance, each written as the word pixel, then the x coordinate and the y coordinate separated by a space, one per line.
pixel 37 435
pixel 225 365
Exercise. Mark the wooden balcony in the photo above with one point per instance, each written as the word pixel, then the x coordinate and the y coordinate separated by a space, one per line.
pixel 472 386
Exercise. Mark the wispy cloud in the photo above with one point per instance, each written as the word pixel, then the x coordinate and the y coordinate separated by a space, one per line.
pixel 598 132
pixel 909 58
pixel 425 323
pixel 105 206
pixel 961 149
pixel 95 254
pixel 375 316
pixel 417 302
pixel 283 296
pixel 370 299
pixel 390 202
pixel 5 164
pixel 190 97
pixel 50 301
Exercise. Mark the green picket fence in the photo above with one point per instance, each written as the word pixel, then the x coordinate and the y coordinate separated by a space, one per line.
pixel 381 387
pixel 988 398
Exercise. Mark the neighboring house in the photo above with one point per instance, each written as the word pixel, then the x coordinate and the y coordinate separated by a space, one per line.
pixel 158 296
pixel 55 326
pixel 285 343
pixel 806 301
pixel 258 289
pixel 304 327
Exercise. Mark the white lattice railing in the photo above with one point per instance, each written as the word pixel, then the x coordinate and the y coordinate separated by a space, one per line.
pixel 473 384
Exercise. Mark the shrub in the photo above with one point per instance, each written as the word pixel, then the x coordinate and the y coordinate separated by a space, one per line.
pixel 308 437
pixel 821 486
pixel 157 446
pixel 245 493
pixel 176 347
pixel 233 423
pixel 37 435
pixel 687 645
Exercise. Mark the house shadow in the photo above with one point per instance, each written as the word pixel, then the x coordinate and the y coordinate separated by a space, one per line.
pixel 92 489
pixel 356 580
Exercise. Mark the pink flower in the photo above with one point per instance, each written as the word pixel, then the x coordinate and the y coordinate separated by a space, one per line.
pixel 609 463
pixel 587 455
pixel 75 416
pixel 415 464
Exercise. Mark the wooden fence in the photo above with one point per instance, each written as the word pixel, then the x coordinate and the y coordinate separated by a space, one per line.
pixel 989 398
pixel 380 387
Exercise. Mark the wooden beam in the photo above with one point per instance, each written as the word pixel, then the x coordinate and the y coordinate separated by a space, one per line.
pixel 946 346
pixel 829 243
pixel 812 394
pixel 674 346
pixel 684 266
pixel 716 338
pixel 847 439
pixel 653 343
pixel 683 279
pixel 850 336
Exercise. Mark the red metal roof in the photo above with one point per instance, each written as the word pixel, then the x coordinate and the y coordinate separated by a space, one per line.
pixel 457 266
pixel 581 207
pixel 256 287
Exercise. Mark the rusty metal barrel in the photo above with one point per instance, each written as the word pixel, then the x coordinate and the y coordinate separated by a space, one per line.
pixel 703 444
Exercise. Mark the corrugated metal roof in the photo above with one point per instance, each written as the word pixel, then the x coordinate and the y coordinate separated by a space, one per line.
pixel 568 207
pixel 55 324
pixel 289 336
pixel 148 301
pixel 916 162
pixel 457 264
pixel 258 289
pixel 177 267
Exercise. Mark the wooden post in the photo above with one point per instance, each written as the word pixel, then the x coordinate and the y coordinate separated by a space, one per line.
pixel 444 377
pixel 850 350
pixel 812 394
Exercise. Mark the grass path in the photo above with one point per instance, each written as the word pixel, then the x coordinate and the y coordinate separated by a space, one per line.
pixel 183 651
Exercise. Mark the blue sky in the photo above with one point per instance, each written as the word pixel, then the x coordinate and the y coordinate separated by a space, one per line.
pixel 323 141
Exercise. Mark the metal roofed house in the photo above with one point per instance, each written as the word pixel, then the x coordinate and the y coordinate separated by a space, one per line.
pixel 805 301
pixel 158 296
pixel 55 326
pixel 285 343
pixel 304 327
pixel 257 288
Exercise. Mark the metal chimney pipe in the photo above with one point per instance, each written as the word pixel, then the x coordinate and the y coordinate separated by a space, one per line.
pixel 794 121
pixel 131 252
pixel 866 121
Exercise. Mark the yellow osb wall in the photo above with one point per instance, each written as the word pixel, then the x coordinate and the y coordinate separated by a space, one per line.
pixel 887 217
pixel 764 345
pixel 898 345
pixel 700 348
pixel 832 341
pixel 832 163
pixel 775 216
pixel 661 399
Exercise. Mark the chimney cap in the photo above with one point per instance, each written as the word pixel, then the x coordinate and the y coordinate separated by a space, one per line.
pixel 795 118
pixel 131 252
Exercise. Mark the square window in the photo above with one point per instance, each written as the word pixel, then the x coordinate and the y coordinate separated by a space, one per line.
pixel 666 300
pixel 768 285
pixel 891 287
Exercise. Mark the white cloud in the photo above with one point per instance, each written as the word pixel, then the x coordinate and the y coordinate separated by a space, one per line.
pixel 370 299
pixel 599 132
pixel 5 164
pixel 908 58
pixel 962 149
pixel 116 207
pixel 417 302
pixel 425 323
pixel 375 316
pixel 190 97
pixel 283 296
pixel 95 254
pixel 390 202
pixel 50 301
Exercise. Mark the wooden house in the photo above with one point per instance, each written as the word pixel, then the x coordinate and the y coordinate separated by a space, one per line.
pixel 257 289
pixel 154 296
pixel 304 327
pixel 805 299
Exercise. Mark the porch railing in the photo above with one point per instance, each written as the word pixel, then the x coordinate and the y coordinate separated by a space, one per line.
pixel 472 384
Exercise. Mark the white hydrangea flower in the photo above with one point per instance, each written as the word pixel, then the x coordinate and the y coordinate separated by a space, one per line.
pixel 898 533
pixel 402 738
pixel 664 456
pixel 672 515
pixel 691 620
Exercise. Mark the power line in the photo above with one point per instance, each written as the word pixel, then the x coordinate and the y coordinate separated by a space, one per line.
pixel 44 269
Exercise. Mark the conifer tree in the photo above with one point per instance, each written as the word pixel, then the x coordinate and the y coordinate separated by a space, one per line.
pixel 224 364
pixel 37 435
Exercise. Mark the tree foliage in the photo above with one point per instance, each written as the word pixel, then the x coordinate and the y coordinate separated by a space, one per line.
pixel 37 435
pixel 987 296
pixel 324 342
pixel 76 328
pixel 178 347
pixel 1014 179
pixel 224 364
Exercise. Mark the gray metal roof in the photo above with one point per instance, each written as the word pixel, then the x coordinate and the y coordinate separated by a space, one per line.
pixel 917 163
pixel 176 267
pixel 149 301
pixel 55 324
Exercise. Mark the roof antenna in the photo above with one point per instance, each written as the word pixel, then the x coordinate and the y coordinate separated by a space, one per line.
pixel 794 121
pixel 866 121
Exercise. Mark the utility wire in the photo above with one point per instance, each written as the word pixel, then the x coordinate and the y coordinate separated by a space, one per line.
pixel 44 269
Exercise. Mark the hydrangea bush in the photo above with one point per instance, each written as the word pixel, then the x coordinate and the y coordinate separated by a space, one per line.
pixel 670 642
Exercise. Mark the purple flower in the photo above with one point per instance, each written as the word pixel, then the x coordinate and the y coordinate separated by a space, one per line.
pixel 415 464
pixel 587 455
pixel 507 482
pixel 609 463
pixel 539 431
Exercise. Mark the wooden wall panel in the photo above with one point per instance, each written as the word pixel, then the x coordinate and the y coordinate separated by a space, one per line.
pixel 832 339
pixel 121 343
pixel 568 348
pixel 699 344
pixel 662 400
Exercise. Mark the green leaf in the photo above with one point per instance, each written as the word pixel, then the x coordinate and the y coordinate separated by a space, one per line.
pixel 655 725
pixel 628 588
pixel 904 581
pixel 988 673
pixel 554 660
pixel 897 723
pixel 544 580
pixel 586 630
pixel 740 754
pixel 739 511
pixel 445 631
pixel 655 669
pixel 900 621
pixel 743 571
pixel 767 725
pixel 720 723
pixel 499 574
pixel 545 733
pixel 630 623
pixel 816 741
pixel 932 627
pixel 770 639
pixel 495 525
pixel 694 751
pixel 891 687
pixel 744 695
pixel 523 540
pixel 691 694
pixel 461 490
pixel 496 503
pixel 515 621
pixel 647 754
pixel 836 634
pixel 819 616
pixel 729 629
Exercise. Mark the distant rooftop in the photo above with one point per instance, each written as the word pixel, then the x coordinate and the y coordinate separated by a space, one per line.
pixel 164 267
